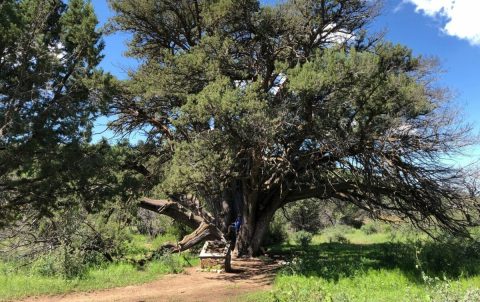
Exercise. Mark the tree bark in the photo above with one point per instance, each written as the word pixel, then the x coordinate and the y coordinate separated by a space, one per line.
pixel 173 210
pixel 253 231
pixel 251 234
pixel 204 229
pixel 204 232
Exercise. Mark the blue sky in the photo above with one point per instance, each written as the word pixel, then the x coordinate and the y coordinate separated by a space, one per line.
pixel 446 29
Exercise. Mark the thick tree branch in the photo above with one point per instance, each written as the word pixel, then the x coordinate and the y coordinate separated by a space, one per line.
pixel 173 210
pixel 204 230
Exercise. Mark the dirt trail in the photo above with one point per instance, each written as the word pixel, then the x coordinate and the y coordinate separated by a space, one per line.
pixel 249 275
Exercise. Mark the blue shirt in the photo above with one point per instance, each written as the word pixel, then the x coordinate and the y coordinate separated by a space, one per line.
pixel 238 223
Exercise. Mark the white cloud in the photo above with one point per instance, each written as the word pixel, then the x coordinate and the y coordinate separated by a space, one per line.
pixel 462 16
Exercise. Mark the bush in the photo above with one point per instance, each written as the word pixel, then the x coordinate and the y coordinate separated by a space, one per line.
pixel 151 224
pixel 70 242
pixel 277 232
pixel 302 238
pixel 62 263
pixel 370 228
pixel 337 233
pixel 45 266
pixel 351 222
pixel 172 263
pixel 338 237
pixel 304 215
pixel 177 229
pixel 453 257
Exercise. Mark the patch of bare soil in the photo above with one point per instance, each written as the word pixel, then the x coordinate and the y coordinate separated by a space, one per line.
pixel 249 275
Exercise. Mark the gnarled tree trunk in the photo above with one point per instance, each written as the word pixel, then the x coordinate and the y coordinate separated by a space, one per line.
pixel 256 215
pixel 257 211
pixel 253 231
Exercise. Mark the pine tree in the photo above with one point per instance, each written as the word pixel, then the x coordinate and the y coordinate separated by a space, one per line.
pixel 248 108
pixel 49 97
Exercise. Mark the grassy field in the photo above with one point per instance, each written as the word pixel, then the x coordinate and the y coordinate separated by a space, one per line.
pixel 22 281
pixel 384 264
pixel 375 263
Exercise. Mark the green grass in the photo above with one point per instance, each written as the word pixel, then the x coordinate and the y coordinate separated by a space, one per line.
pixel 149 243
pixel 385 265
pixel 381 265
pixel 141 245
pixel 15 285
pixel 352 235
pixel 385 233
pixel 373 285
pixel 18 282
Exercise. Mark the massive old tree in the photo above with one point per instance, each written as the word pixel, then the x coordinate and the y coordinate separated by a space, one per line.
pixel 246 108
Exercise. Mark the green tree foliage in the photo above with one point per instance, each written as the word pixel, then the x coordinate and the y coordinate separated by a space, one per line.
pixel 304 215
pixel 50 93
pixel 248 108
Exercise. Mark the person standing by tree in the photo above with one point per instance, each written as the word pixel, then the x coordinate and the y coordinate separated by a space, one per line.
pixel 238 224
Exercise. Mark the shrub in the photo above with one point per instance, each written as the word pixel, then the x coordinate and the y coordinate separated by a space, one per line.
pixel 370 228
pixel 45 266
pixel 177 229
pixel 302 238
pixel 351 221
pixel 338 233
pixel 453 257
pixel 277 232
pixel 62 263
pixel 304 215
pixel 172 263
pixel 70 242
pixel 338 237
pixel 151 224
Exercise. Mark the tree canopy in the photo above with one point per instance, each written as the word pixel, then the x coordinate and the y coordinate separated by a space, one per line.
pixel 245 108
pixel 50 94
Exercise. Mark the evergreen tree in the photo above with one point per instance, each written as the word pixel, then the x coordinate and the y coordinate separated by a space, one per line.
pixel 49 97
pixel 248 107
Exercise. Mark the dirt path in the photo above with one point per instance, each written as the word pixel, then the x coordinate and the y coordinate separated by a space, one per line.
pixel 250 275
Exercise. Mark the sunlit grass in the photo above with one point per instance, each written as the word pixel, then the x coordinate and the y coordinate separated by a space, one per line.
pixel 361 265
pixel 21 284
pixel 17 282
pixel 374 285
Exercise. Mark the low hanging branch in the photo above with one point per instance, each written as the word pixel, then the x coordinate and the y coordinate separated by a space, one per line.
pixel 203 229
pixel 172 209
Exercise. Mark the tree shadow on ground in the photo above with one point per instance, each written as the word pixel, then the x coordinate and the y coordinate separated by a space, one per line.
pixel 257 271
pixel 333 261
